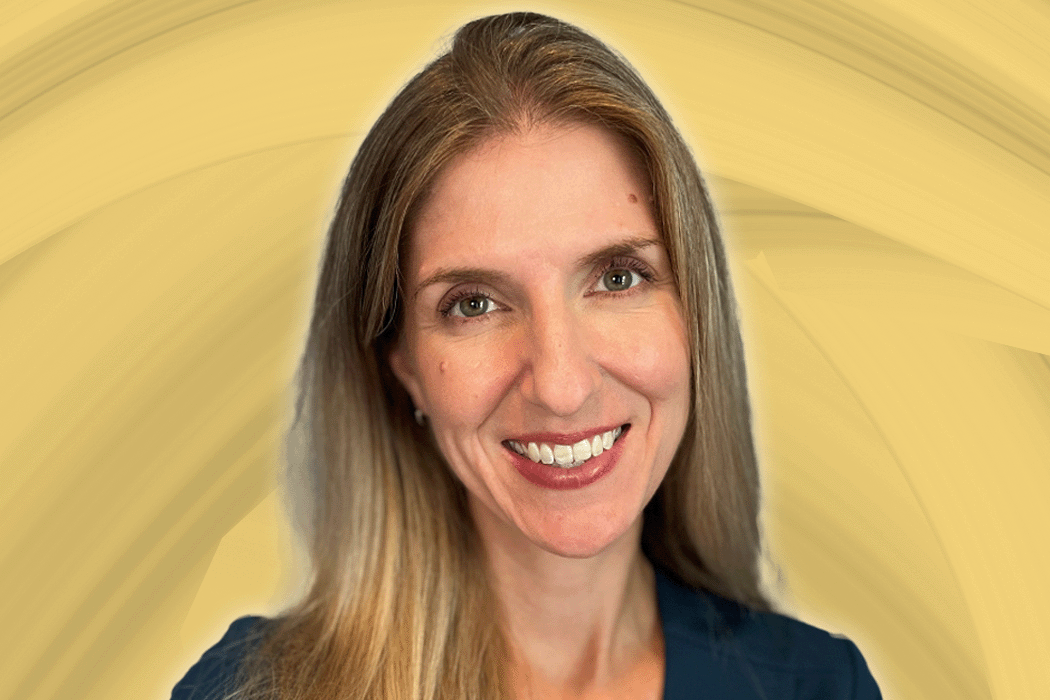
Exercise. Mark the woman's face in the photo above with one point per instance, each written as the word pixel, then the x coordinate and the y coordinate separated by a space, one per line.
pixel 544 336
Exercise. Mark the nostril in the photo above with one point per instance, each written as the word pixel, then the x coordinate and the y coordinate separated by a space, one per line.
pixel 562 384
pixel 562 368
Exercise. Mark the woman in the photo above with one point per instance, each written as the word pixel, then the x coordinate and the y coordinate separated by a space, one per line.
pixel 526 407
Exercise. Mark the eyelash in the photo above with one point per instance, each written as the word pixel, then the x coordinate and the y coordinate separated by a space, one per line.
pixel 632 264
pixel 450 303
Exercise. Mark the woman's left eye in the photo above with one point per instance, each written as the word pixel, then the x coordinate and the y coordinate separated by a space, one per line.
pixel 619 279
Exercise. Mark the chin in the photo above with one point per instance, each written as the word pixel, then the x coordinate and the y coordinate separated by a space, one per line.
pixel 574 540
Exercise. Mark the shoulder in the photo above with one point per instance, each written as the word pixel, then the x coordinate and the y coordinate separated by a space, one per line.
pixel 718 644
pixel 214 675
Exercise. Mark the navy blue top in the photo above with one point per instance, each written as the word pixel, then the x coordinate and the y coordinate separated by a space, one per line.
pixel 715 649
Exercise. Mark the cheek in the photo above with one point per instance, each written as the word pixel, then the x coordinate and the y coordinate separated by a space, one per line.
pixel 465 380
pixel 652 355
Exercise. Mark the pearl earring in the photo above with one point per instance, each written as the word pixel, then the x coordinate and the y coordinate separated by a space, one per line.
pixel 420 416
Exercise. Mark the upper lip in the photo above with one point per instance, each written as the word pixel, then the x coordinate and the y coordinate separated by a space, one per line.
pixel 563 438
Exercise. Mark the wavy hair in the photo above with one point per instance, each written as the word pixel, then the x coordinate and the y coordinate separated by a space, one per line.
pixel 399 606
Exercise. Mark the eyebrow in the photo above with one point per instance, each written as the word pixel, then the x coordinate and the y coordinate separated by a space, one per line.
pixel 460 275
pixel 617 250
pixel 492 278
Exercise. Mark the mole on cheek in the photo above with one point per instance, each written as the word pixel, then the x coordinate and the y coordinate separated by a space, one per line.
pixel 632 198
pixel 443 367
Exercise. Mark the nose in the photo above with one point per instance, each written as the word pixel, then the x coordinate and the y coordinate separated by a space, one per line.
pixel 562 372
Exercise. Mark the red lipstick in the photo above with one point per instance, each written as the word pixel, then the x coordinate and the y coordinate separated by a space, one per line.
pixel 551 476
pixel 564 438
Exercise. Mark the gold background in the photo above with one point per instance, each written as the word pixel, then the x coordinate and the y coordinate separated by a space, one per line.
pixel 166 171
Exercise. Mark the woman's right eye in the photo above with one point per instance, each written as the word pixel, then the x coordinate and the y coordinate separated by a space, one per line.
pixel 474 306
pixel 468 306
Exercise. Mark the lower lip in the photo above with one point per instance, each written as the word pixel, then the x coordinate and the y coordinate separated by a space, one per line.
pixel 551 476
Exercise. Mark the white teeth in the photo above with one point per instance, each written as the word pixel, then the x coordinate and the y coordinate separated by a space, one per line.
pixel 546 454
pixel 563 454
pixel 566 456
pixel 533 452
pixel 596 446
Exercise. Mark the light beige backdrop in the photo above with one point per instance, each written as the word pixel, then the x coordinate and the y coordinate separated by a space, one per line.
pixel 166 171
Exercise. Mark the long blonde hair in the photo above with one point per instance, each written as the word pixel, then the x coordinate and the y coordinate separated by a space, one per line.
pixel 399 606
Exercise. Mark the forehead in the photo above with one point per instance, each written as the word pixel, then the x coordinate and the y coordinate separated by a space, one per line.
pixel 549 190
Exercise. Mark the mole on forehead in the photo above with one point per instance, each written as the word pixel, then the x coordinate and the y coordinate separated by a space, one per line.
pixel 632 197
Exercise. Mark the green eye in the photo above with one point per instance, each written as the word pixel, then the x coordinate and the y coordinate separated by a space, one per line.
pixel 618 280
pixel 473 306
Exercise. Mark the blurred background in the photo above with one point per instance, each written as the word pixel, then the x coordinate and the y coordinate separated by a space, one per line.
pixel 167 169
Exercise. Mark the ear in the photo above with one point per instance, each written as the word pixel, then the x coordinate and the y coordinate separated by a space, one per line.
pixel 404 370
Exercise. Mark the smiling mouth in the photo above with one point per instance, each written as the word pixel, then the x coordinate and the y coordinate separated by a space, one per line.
pixel 568 456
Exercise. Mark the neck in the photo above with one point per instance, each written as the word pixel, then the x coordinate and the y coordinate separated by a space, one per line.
pixel 575 627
